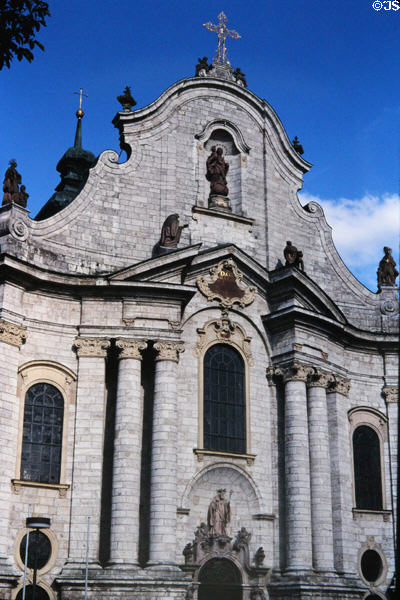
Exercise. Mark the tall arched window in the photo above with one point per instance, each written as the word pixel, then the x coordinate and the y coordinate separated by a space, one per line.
pixel 42 434
pixel 224 400
pixel 367 468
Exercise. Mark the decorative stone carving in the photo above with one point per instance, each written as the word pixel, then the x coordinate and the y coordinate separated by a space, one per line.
pixel 257 593
pixel 339 385
pixel 293 257
pixel 169 350
pixel 242 539
pixel 319 378
pixel 91 347
pixel 188 553
pixel 240 77
pixel 130 348
pixel 297 146
pixel 190 592
pixel 387 271
pixel 226 285
pixel 226 331
pixel 296 371
pixel 259 557
pixel 219 514
pixel 12 334
pixel 391 394
pixel 19 230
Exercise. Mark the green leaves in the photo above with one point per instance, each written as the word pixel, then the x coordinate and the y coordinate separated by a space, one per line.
pixel 19 20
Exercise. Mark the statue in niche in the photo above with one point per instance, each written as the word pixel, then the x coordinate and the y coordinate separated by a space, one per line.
pixel 387 271
pixel 217 169
pixel 293 257
pixel 202 67
pixel 11 183
pixel 171 232
pixel 219 514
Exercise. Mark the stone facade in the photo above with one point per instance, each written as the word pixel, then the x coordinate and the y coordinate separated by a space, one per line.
pixel 87 307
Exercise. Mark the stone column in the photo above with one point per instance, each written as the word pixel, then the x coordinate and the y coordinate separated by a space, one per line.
pixel 11 339
pixel 127 455
pixel 320 471
pixel 88 450
pixel 341 473
pixel 297 469
pixel 163 496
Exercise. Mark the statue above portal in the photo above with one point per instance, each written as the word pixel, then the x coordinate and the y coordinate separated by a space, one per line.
pixel 11 183
pixel 219 514
pixel 217 169
pixel 387 271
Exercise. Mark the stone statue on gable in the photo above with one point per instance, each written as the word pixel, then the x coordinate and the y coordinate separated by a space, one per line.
pixel 171 232
pixel 219 514
pixel 202 67
pixel 293 257
pixel 387 271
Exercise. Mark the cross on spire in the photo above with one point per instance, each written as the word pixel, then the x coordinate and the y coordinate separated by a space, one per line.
pixel 223 32
pixel 79 112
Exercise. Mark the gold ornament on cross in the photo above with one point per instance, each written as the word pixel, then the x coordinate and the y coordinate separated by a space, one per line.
pixel 223 32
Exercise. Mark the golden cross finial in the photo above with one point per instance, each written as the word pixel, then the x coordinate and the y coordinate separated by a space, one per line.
pixel 80 93
pixel 223 32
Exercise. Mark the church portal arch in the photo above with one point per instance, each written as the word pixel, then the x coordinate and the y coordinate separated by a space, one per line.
pixel 220 579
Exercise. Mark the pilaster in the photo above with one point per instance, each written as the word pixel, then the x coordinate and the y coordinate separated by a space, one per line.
pixel 341 472
pixel 320 474
pixel 88 451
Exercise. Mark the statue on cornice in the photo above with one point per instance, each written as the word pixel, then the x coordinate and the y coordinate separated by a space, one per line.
pixel 11 183
pixel 219 514
pixel 293 257
pixel 217 169
pixel 171 232
pixel 387 271
pixel 202 67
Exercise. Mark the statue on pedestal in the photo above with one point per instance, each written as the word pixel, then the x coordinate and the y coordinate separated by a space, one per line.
pixel 11 183
pixel 387 271
pixel 219 514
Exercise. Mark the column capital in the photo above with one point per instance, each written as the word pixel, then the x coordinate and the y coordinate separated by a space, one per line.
pixel 340 385
pixel 91 347
pixel 295 371
pixel 12 334
pixel 319 378
pixel 168 350
pixel 391 394
pixel 130 348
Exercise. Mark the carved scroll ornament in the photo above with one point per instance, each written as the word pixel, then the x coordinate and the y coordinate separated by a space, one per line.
pixel 12 334
pixel 226 285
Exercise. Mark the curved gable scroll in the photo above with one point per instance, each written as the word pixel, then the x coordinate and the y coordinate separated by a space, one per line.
pixel 227 126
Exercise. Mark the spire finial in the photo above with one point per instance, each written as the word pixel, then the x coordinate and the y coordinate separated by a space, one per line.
pixel 223 32
pixel 79 112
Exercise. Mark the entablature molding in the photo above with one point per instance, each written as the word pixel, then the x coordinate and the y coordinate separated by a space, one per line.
pixel 12 334
pixel 91 347
pixel 130 348
pixel 168 350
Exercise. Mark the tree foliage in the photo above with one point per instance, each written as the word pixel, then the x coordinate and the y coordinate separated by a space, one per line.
pixel 20 20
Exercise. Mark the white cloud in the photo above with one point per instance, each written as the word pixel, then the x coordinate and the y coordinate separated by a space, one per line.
pixel 360 229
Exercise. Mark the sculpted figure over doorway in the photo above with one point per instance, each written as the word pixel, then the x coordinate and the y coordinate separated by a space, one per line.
pixel 217 169
pixel 219 514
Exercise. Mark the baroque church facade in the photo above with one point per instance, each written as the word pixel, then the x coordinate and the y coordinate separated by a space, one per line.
pixel 207 413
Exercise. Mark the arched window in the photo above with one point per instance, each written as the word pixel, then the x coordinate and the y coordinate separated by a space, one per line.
pixel 224 400
pixel 367 468
pixel 42 434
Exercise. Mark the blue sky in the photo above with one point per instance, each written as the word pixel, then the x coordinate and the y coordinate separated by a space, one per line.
pixel 329 69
